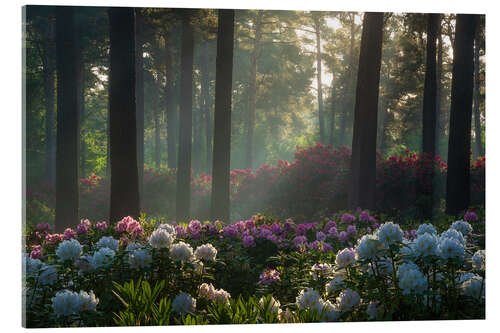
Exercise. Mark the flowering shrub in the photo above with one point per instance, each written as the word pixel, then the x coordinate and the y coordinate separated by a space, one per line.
pixel 206 273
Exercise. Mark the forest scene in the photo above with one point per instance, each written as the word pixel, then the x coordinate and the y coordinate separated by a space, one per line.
pixel 219 166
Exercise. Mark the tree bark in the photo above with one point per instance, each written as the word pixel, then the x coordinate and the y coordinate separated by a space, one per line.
pixel 171 105
pixel 439 80
pixel 458 177
pixel 183 193
pixel 156 120
pixel 252 96
pixel 139 93
pixel 205 93
pixel 363 161
pixel 49 99
pixel 321 119
pixel 332 114
pixel 222 135
pixel 122 118
pixel 67 120
pixel 348 89
pixel 477 87
pixel 429 119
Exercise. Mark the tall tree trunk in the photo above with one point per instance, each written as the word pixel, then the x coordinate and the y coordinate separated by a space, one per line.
pixel 332 114
pixel 67 119
pixel 83 116
pixel 317 27
pixel 429 119
pixel 477 87
pixel 122 118
pixel 108 136
pixel 347 107
pixel 439 80
pixel 364 141
pixel 171 105
pixel 49 99
pixel 183 193
pixel 222 134
pixel 458 178
pixel 205 92
pixel 139 93
pixel 156 120
pixel 197 120
pixel 252 95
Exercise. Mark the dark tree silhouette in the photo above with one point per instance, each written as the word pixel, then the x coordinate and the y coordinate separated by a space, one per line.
pixel 183 192
pixel 222 119
pixel 317 30
pixel 139 92
pixel 122 116
pixel 67 119
pixel 363 162
pixel 458 177
pixel 477 88
pixel 439 85
pixel 171 105
pixel 429 116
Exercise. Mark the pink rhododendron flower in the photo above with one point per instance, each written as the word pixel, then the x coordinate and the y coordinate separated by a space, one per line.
pixel 69 234
pixel 101 225
pixel 269 276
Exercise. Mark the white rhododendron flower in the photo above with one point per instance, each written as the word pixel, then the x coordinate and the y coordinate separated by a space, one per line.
pixel 274 305
pixel 220 295
pixel 474 287
pixel 390 233
pixel 411 279
pixel 182 252
pixel 206 290
pixel 67 302
pixel 479 260
pixel 408 250
pixel 31 266
pixel 464 227
pixel 348 299
pixel 426 228
pixel 320 271
pixel 452 233
pixel 161 239
pixel 368 247
pixel 133 246
pixel 102 257
pixel 48 274
pixel 205 252
pixel 69 250
pixel 168 227
pixel 372 310
pixel 308 299
pixel 426 245
pixel 184 304
pixel 450 248
pixel 331 312
pixel 109 242
pixel 335 284
pixel 345 257
pixel 139 259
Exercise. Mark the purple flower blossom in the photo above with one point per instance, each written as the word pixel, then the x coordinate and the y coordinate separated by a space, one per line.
pixel 364 216
pixel 194 227
pixel 276 228
pixel 351 230
pixel 249 224
pixel 347 218
pixel 69 234
pixel 327 247
pixel 248 241
pixel 101 225
pixel 230 231
pixel 343 236
pixel 329 225
pixel 470 216
pixel 299 240
pixel 180 231
pixel 332 232
pixel 269 276
pixel 36 253
pixel 320 236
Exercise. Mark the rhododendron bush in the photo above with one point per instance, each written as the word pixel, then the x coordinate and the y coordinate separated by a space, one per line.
pixel 314 184
pixel 352 266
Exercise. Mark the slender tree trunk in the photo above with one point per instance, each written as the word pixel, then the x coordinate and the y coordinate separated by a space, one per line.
pixel 252 96
pixel 108 136
pixel 139 93
pixel 439 79
pixel 222 134
pixel 197 120
pixel 183 193
pixel 347 107
pixel 171 105
pixel 205 92
pixel 429 118
pixel 49 94
pixel 317 28
pixel 477 87
pixel 332 115
pixel 156 120
pixel 67 120
pixel 364 141
pixel 122 119
pixel 458 178
pixel 83 116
